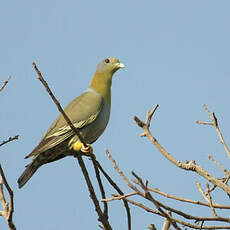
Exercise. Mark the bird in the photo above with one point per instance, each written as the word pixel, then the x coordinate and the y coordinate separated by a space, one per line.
pixel 89 113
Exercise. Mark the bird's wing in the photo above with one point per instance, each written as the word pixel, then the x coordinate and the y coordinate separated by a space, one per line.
pixel 82 111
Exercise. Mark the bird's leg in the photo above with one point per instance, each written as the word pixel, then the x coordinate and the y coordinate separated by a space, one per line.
pixel 78 146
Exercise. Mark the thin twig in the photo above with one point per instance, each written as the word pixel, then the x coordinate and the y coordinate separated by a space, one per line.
pixel 216 125
pixel 186 199
pixel 206 197
pixel 115 186
pixel 119 197
pixel 166 224
pixel 9 140
pixel 103 219
pixel 191 217
pixel 8 209
pixel 97 172
pixel 149 197
pixel 204 123
pixel 227 173
pixel 175 219
pixel 120 172
pixel 156 190
pixel 210 200
pixel 4 83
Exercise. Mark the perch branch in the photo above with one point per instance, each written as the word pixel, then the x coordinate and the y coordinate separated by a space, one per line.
pixel 41 79
pixel 102 218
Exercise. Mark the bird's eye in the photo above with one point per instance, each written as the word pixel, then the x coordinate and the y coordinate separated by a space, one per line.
pixel 107 60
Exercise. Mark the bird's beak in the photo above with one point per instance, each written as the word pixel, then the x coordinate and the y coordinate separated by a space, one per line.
pixel 120 65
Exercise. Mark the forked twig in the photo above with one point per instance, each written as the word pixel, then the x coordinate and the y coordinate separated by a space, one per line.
pixel 216 125
pixel 207 197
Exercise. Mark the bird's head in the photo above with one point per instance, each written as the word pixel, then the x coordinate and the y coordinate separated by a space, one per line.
pixel 109 65
pixel 102 79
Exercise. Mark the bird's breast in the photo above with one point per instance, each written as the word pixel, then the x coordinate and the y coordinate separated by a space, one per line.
pixel 94 130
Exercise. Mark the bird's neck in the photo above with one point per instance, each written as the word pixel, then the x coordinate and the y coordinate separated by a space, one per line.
pixel 102 85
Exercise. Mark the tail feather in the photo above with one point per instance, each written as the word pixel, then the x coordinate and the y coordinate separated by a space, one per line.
pixel 28 173
pixel 38 160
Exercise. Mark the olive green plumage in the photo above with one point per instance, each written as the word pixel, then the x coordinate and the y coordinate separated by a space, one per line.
pixel 89 113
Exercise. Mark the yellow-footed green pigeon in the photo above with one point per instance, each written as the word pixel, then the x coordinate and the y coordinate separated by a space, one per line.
pixel 89 113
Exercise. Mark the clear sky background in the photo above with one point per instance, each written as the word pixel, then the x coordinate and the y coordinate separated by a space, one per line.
pixel 176 54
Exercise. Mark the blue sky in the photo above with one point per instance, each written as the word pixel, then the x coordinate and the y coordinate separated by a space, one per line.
pixel 176 54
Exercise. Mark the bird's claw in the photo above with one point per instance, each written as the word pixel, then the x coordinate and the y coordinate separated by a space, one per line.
pixel 87 150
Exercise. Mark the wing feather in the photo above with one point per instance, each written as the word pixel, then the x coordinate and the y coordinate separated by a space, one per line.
pixel 82 111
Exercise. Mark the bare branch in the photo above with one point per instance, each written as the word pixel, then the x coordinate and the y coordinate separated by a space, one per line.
pixel 186 199
pixel 146 194
pixel 175 219
pixel 102 218
pixel 227 173
pixel 4 83
pixel 166 224
pixel 9 140
pixel 215 124
pixel 204 123
pixel 119 191
pixel 8 209
pixel 93 157
pixel 117 197
pixel 120 172
pixel 207 197
pixel 210 200
pixel 189 165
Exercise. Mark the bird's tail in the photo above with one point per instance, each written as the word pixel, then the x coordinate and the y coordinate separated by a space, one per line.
pixel 29 172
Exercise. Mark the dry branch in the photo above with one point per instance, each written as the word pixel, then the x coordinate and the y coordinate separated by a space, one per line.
pixel 183 223
pixel 74 129
pixel 189 165
pixel 206 197
pixel 8 209
pixel 216 125
pixel 115 186
pixel 145 194
pixel 4 83
pixel 9 140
